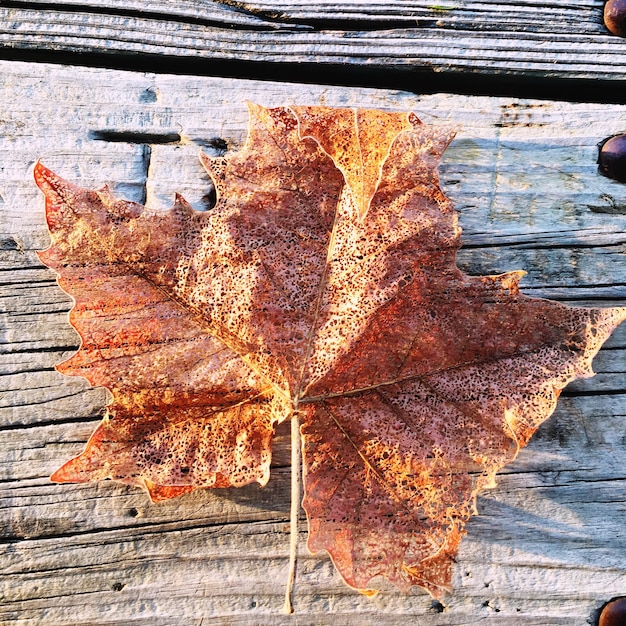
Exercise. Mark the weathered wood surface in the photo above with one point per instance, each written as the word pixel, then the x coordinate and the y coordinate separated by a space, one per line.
pixel 511 37
pixel 548 546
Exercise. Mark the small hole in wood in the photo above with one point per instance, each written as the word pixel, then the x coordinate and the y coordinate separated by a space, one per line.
pixel 148 96
pixel 437 607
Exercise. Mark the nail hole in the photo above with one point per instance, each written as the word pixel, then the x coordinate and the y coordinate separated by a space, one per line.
pixel 117 586
pixel 148 96
pixel 437 607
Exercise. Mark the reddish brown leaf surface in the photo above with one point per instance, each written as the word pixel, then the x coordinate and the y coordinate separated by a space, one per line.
pixel 324 282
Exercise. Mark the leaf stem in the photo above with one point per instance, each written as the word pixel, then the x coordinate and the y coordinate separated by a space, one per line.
pixel 296 478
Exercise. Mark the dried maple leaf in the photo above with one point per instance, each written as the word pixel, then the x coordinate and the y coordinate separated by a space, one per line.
pixel 322 288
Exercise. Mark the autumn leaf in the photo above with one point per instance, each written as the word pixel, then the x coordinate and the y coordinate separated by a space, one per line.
pixel 321 288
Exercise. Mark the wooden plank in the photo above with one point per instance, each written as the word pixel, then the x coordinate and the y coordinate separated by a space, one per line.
pixel 513 38
pixel 548 545
pixel 535 15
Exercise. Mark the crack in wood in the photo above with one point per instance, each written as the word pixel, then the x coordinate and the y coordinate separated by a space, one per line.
pixel 87 420
pixel 424 79
pixel 123 136
pixel 149 528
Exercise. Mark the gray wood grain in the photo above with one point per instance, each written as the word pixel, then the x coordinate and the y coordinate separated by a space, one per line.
pixel 547 547
pixel 511 38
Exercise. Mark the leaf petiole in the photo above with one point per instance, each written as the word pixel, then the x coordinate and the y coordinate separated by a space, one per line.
pixel 296 488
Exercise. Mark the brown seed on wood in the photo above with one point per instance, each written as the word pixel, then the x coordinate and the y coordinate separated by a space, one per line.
pixel 615 17
pixel 613 613
pixel 612 158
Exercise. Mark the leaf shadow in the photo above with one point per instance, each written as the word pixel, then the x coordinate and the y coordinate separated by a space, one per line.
pixel 538 539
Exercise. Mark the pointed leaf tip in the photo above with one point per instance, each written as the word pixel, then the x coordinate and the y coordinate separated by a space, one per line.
pixel 48 181
pixel 69 473
pixel 40 171
pixel 358 141
pixel 158 493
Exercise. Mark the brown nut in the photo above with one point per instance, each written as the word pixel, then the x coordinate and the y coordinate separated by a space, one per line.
pixel 615 17
pixel 612 158
pixel 613 613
